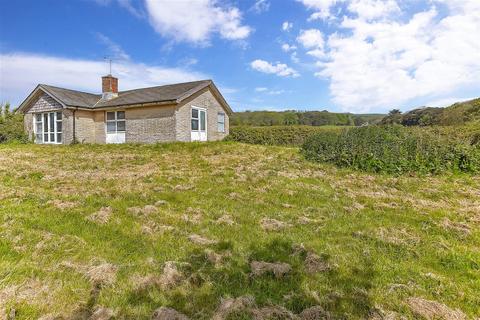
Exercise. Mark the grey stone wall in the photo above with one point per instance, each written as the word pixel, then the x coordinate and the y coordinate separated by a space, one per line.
pixel 205 99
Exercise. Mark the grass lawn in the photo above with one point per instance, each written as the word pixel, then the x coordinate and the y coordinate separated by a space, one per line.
pixel 90 226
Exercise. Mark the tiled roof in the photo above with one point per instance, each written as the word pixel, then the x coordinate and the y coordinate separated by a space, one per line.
pixel 171 92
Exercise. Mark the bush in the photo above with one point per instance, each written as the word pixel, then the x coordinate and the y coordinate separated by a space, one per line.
pixel 11 126
pixel 392 149
pixel 276 135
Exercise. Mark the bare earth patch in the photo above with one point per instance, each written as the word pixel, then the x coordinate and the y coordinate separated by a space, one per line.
pixel 232 305
pixel 103 273
pixel 225 219
pixel 195 238
pixel 268 224
pixel 460 227
pixel 432 310
pixel 164 313
pixel 279 269
pixel 314 263
pixel 101 216
pixel 62 205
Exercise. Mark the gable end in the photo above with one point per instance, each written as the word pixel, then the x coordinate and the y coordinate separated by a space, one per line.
pixel 43 103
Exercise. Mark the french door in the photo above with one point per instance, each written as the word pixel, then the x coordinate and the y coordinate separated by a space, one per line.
pixel 199 124
pixel 48 127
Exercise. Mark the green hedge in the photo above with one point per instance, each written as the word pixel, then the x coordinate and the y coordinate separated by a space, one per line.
pixel 11 125
pixel 277 135
pixel 392 149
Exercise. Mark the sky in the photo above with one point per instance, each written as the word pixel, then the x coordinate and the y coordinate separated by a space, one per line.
pixel 359 56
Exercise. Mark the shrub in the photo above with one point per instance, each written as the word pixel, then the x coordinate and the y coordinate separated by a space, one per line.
pixel 392 149
pixel 11 125
pixel 276 135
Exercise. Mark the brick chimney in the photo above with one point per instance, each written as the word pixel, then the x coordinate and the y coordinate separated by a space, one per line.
pixel 109 87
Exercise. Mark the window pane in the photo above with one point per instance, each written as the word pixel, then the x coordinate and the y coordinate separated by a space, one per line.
pixel 59 116
pixel 195 113
pixel 45 137
pixel 120 114
pixel 202 120
pixel 121 126
pixel 52 137
pixel 38 138
pixel 39 127
pixel 110 115
pixel 194 124
pixel 45 121
pixel 52 122
pixel 111 127
pixel 59 137
pixel 221 127
pixel 59 126
pixel 38 116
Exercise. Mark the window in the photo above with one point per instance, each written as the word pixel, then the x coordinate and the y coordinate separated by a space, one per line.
pixel 221 122
pixel 48 127
pixel 115 121
pixel 195 119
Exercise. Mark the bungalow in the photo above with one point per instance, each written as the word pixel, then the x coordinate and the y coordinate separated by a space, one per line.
pixel 191 111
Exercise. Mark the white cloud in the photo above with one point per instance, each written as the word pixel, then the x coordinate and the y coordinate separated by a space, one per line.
pixel 196 20
pixel 371 9
pixel 269 91
pixel 321 6
pixel 116 52
pixel 364 9
pixel 376 61
pixel 260 6
pixel 280 69
pixel 445 102
pixel 287 26
pixel 79 74
pixel 288 47
pixel 126 4
pixel 311 38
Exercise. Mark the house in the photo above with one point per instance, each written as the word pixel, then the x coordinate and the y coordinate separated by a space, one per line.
pixel 191 111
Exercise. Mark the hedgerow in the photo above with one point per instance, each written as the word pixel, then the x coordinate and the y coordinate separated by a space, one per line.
pixel 393 149
pixel 277 135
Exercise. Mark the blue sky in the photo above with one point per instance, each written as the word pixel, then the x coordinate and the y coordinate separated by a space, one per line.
pixel 339 55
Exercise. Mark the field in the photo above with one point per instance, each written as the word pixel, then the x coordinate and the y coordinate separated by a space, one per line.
pixel 123 230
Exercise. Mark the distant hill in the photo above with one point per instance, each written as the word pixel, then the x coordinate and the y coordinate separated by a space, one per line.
pixel 309 118
pixel 458 113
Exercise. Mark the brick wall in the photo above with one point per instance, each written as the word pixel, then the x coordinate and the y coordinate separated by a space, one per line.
pixel 204 99
pixel 150 124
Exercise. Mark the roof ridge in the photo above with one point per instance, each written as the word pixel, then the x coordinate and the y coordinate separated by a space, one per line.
pixel 47 85
pixel 164 85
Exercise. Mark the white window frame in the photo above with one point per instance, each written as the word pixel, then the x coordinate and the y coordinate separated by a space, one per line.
pixel 47 129
pixel 222 123
pixel 116 120
pixel 198 118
